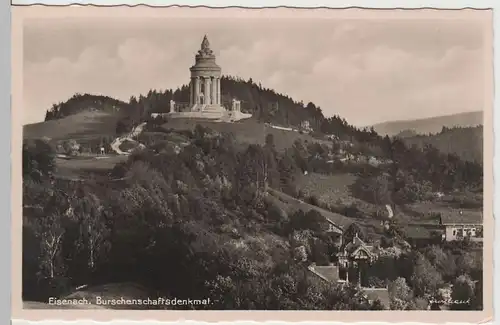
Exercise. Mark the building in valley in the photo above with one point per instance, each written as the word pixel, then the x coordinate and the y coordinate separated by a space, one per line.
pixel 352 267
pixel 461 225
pixel 355 259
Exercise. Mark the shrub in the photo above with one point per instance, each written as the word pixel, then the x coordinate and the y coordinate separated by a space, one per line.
pixel 375 282
pixel 352 211
pixel 313 200
pixel 375 189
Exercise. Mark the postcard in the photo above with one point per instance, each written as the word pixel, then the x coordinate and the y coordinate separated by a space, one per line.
pixel 302 164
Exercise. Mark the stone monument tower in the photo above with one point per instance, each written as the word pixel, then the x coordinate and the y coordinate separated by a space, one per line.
pixel 204 87
pixel 204 92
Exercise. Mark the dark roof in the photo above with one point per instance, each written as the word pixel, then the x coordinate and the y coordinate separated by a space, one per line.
pixel 328 273
pixel 418 232
pixel 339 228
pixel 351 247
pixel 378 293
pixel 338 219
pixel 467 217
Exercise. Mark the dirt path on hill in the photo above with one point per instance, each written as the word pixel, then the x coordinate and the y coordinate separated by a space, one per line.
pixel 115 145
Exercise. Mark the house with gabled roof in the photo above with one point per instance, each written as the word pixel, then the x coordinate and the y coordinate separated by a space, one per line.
pixel 357 250
pixel 461 225
pixel 354 258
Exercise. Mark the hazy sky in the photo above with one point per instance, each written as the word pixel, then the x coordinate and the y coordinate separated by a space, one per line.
pixel 366 71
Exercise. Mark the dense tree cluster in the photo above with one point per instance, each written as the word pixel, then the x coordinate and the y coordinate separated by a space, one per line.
pixel 465 142
pixel 79 102
pixel 415 173
pixel 426 275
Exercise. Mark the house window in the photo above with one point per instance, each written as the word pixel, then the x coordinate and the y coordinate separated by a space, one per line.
pixel 343 274
pixel 454 232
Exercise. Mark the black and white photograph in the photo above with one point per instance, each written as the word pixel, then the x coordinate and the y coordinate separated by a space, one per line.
pixel 240 161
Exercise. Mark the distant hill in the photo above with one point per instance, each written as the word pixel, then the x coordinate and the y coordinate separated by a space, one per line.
pixel 430 125
pixel 406 134
pixel 466 142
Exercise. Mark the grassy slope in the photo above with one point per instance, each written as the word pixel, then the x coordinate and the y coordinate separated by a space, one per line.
pixel 430 125
pixel 291 204
pixel 86 124
pixel 246 131
pixel 81 126
pixel 334 189
pixel 94 124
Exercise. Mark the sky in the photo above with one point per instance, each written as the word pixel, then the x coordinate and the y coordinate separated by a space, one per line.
pixel 367 71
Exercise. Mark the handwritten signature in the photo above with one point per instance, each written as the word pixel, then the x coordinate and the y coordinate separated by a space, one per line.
pixel 450 302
